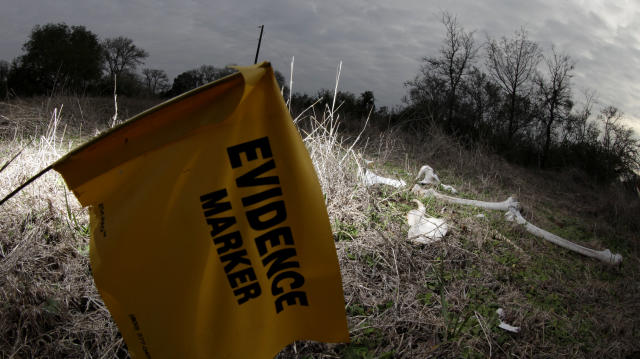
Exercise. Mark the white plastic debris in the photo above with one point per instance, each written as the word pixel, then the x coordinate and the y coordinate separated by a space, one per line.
pixel 371 178
pixel 448 188
pixel 425 229
pixel 480 215
pixel 428 176
pixel 505 326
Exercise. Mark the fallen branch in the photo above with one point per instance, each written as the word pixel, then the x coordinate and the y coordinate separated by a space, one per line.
pixel 513 215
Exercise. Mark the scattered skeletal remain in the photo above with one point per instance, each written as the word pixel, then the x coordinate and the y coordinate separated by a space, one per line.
pixel 505 326
pixel 513 215
pixel 511 206
pixel 371 178
pixel 448 188
pixel 425 229
pixel 428 176
pixel 499 206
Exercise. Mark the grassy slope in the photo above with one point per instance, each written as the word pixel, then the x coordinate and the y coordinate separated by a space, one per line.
pixel 439 300
pixel 403 300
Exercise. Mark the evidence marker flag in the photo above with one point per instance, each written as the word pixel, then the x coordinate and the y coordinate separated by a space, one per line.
pixel 209 233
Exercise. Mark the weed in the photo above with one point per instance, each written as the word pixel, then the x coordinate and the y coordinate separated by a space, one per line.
pixel 345 231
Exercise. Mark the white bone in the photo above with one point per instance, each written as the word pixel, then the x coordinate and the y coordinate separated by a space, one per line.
pixel 499 206
pixel 513 215
pixel 425 229
pixel 505 326
pixel 428 176
pixel 369 178
pixel 511 206
pixel 449 188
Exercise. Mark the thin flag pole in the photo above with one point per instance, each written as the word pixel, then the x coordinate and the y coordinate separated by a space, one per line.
pixel 15 191
pixel 16 155
pixel 259 42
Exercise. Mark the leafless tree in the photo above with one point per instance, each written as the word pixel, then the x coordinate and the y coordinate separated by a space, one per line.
pixel 555 94
pixel 482 97
pixel 456 56
pixel 578 128
pixel 610 117
pixel 619 142
pixel 512 64
pixel 4 75
pixel 210 73
pixel 121 54
pixel 155 80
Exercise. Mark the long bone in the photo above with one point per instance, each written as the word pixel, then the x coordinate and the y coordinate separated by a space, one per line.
pixel 498 206
pixel 511 207
pixel 513 215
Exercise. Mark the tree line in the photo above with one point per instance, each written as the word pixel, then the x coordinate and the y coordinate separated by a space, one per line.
pixel 505 92
pixel 71 59
pixel 510 94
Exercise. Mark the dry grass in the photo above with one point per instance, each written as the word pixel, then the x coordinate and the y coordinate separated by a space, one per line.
pixel 407 300
pixel 403 300
pixel 50 307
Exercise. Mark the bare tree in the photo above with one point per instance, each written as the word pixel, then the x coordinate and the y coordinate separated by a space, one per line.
pixel 425 95
pixel 456 55
pixel 610 116
pixel 121 54
pixel 482 98
pixel 555 93
pixel 155 80
pixel 512 63
pixel 577 128
pixel 210 73
pixel 619 143
pixel 4 78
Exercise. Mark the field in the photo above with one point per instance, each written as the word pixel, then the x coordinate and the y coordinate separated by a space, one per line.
pixel 403 300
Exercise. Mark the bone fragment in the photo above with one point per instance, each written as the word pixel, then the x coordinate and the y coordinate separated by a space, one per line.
pixel 371 178
pixel 499 206
pixel 425 229
pixel 513 215
pixel 428 176
pixel 505 326
pixel 449 188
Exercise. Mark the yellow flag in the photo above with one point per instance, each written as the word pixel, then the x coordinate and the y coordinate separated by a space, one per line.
pixel 209 233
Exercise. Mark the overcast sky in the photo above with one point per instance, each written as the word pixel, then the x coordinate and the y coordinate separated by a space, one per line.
pixel 380 43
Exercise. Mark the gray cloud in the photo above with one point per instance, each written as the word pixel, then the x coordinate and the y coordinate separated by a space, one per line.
pixel 380 43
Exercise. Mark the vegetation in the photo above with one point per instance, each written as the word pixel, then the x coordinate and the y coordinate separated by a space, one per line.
pixel 506 94
pixel 57 57
pixel 523 111
pixel 403 300
pixel 488 131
